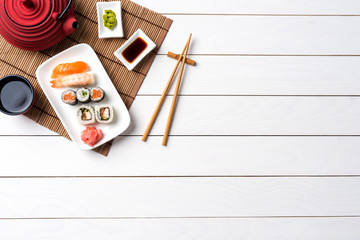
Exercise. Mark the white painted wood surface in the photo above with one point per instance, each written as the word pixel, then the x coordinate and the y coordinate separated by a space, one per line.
pixel 179 197
pixel 193 156
pixel 260 75
pixel 265 142
pixel 265 35
pixel 181 229
pixel 244 115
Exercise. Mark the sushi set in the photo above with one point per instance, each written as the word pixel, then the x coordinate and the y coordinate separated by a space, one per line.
pixel 74 81
pixel 83 96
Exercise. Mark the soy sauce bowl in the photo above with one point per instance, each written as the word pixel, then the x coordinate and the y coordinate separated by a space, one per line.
pixel 17 95
pixel 150 45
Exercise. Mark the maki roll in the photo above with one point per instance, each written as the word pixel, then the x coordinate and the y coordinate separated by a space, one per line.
pixel 83 95
pixel 97 94
pixel 104 113
pixel 86 115
pixel 69 97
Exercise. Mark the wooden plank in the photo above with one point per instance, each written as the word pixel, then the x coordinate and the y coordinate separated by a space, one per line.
pixel 233 115
pixel 254 7
pixel 178 197
pixel 244 75
pixel 283 35
pixel 187 156
pixel 179 229
pixel 237 115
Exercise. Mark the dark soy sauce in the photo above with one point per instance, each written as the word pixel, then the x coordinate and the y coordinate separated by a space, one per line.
pixel 16 97
pixel 134 49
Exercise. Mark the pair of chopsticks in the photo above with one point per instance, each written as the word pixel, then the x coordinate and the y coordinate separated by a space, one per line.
pixel 182 59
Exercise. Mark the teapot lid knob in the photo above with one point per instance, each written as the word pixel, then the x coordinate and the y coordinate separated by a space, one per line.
pixel 28 3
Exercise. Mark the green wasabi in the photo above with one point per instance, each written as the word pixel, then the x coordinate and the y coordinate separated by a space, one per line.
pixel 109 19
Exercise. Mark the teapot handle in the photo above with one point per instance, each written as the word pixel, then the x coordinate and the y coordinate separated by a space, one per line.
pixel 66 9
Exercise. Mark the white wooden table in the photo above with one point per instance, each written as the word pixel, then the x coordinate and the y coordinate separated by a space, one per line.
pixel 265 143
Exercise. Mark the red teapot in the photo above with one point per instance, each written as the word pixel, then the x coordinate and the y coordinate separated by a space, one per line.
pixel 36 24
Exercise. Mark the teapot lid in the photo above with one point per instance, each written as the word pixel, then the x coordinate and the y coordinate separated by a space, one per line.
pixel 28 13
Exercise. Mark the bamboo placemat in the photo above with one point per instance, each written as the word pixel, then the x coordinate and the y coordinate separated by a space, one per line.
pixel 134 16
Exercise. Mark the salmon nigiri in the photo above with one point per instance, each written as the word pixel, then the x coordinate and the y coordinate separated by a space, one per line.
pixel 79 79
pixel 64 69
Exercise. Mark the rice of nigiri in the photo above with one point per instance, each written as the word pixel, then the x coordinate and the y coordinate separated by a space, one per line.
pixel 79 79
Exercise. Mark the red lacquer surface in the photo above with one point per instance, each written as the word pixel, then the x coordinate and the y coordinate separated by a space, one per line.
pixel 35 24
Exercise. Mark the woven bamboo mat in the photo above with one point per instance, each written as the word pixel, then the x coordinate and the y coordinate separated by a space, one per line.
pixel 134 16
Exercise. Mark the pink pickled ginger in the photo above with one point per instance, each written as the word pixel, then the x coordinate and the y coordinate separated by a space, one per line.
pixel 91 135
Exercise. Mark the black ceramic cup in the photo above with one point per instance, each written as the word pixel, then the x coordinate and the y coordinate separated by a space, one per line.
pixel 16 95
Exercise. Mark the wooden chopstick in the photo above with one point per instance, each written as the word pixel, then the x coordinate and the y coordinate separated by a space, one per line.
pixel 162 98
pixel 172 108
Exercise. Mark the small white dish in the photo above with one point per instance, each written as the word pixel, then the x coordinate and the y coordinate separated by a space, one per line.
pixel 150 46
pixel 104 32
pixel 67 113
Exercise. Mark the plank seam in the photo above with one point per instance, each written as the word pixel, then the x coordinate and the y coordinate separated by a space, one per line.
pixel 184 217
pixel 190 176
pixel 184 135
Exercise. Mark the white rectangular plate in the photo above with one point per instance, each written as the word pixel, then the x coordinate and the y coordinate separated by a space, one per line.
pixel 150 46
pixel 67 113
pixel 104 32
